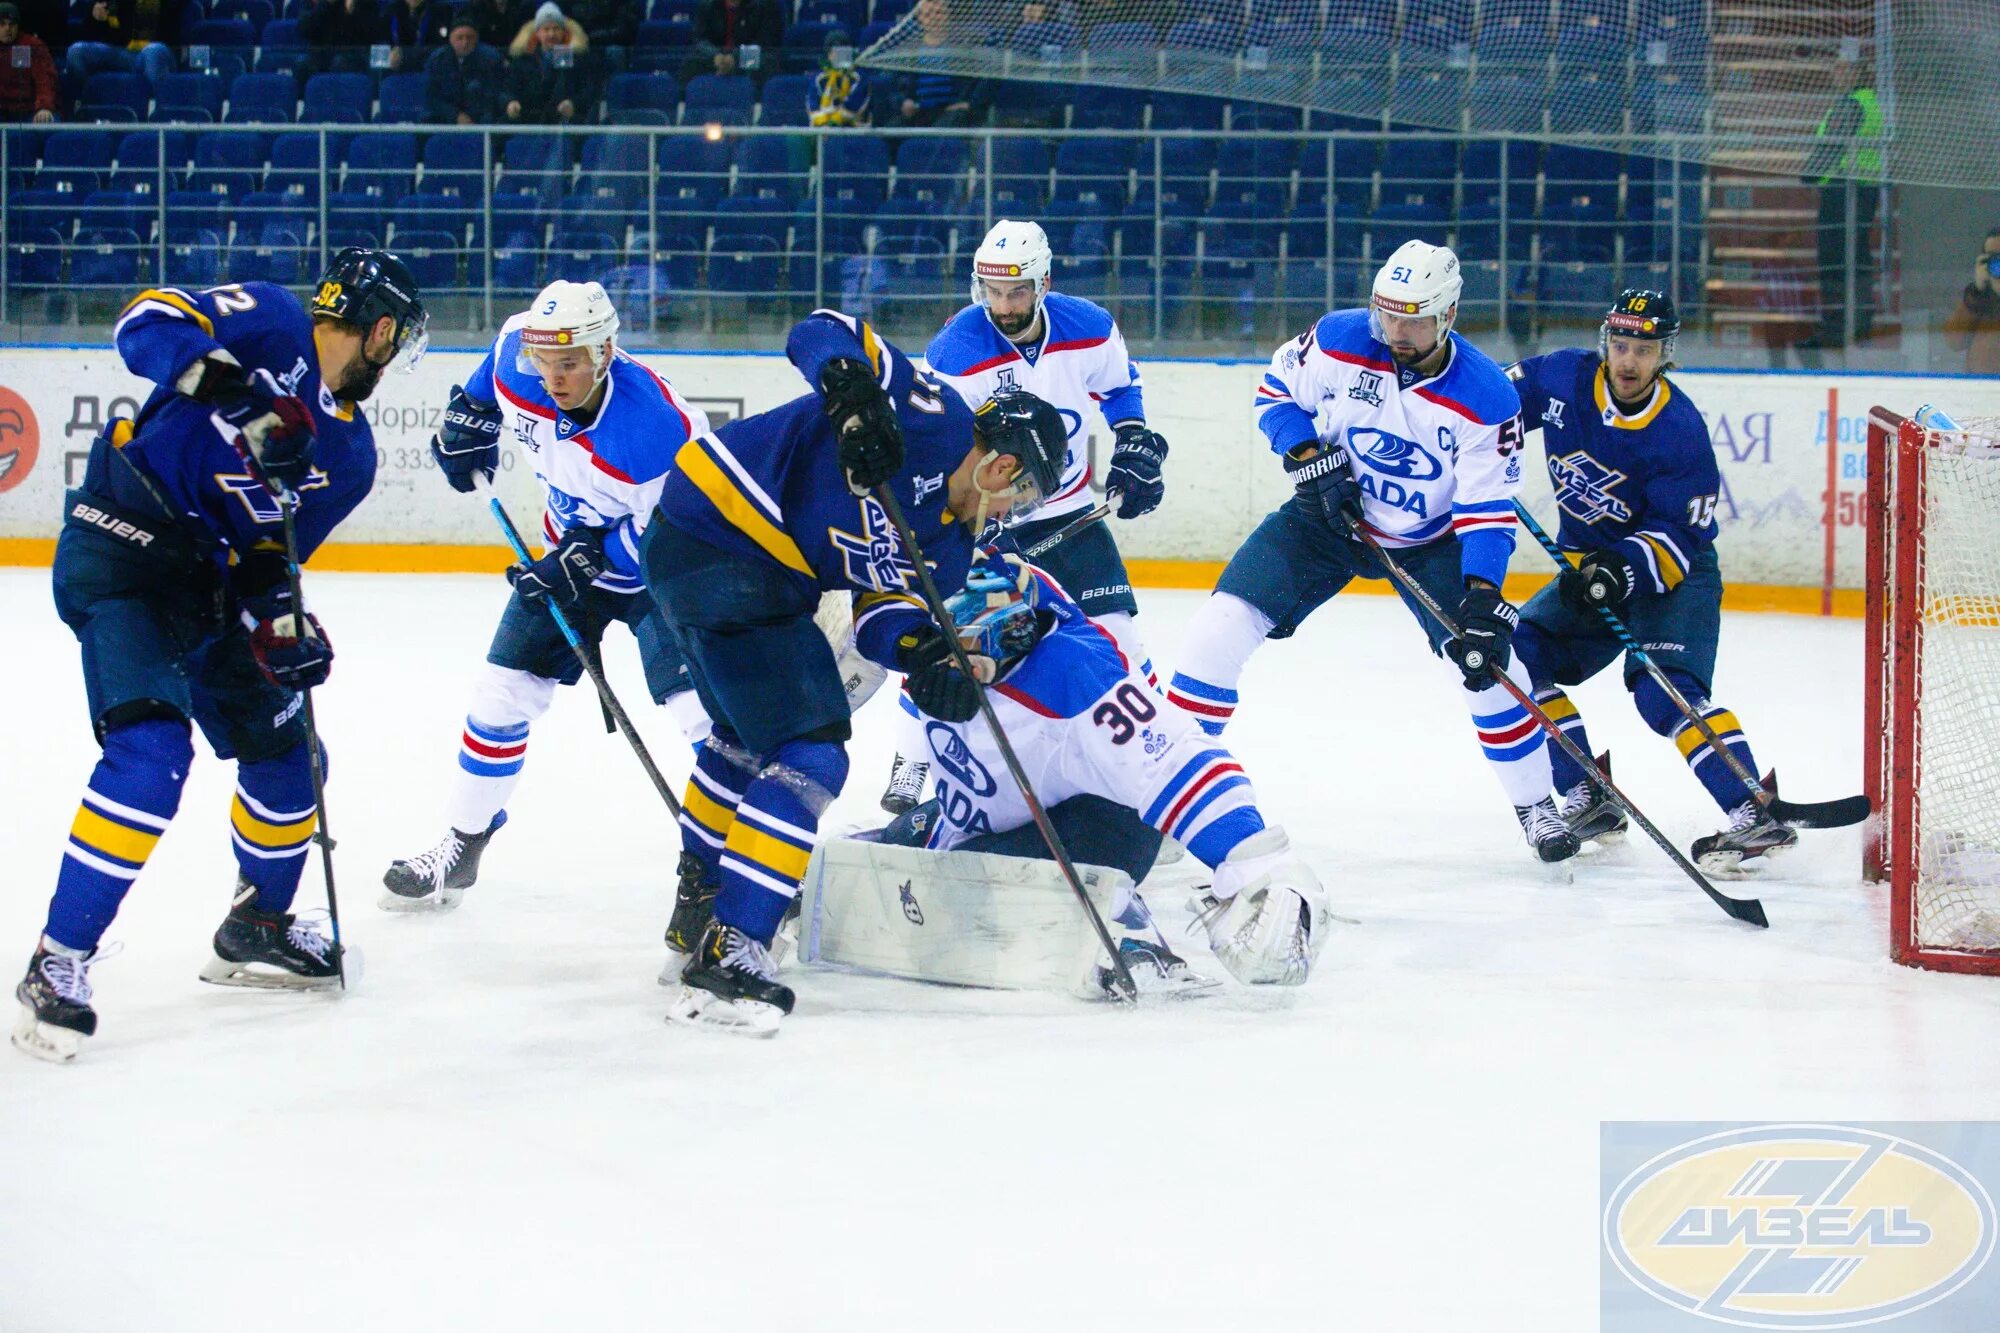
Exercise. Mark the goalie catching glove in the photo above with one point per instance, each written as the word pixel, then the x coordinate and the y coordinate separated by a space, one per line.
pixel 272 427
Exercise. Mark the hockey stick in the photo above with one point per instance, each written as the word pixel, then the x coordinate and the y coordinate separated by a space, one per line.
pixel 1127 988
pixel 1067 531
pixel 608 700
pixel 1808 814
pixel 1742 909
pixel 288 503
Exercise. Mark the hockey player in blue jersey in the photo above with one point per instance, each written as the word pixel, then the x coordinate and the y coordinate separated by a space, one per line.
pixel 171 570
pixel 1636 481
pixel 1387 418
pixel 1068 352
pixel 600 431
pixel 754 522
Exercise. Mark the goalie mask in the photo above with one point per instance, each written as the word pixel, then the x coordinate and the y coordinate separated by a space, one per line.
pixel 1013 254
pixel 998 615
pixel 568 315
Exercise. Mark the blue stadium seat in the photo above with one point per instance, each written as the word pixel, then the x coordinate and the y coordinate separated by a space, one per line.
pixel 889 11
pixel 747 266
pixel 225 34
pixel 660 45
pixel 786 100
pixel 37 210
pixel 108 257
pixel 338 99
pixel 938 166
pixel 443 212
pixel 719 99
pixel 454 164
pixel 1102 165
pixel 262 99
pixel 382 164
pixel 403 100
pixel 115 97
pixel 805 44
pixel 119 210
pixel 1516 31
pixel 195 260
pixel 872 33
pixel 432 257
pixel 641 99
pixel 583 256
pixel 848 14
pixel 257 13
pixel 1256 116
pixel 276 252
pixel 85 150
pixel 1182 111
pixel 1092 108
pixel 774 167
pixel 1507 103
pixel 349 212
pixel 517 263
pixel 615 169
pixel 915 270
pixel 855 162
pixel 192 211
pixel 1439 25
pixel 138 157
pixel 296 167
pixel 184 97
pixel 280 48
pixel 222 63
pixel 35 256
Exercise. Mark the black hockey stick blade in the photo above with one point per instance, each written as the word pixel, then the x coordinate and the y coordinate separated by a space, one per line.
pixel 1843 813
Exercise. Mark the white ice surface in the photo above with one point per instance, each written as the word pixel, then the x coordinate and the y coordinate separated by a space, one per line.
pixel 497 1130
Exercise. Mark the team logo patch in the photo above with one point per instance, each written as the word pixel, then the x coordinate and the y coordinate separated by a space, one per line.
pixel 913 913
pixel 1586 488
pixel 1367 388
pixel 874 556
pixel 1392 455
pixel 958 761
pixel 1553 413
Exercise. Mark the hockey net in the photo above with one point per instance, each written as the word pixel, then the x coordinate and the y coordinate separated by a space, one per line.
pixel 1933 703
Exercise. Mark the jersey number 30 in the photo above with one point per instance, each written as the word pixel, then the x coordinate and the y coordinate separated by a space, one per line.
pixel 1123 712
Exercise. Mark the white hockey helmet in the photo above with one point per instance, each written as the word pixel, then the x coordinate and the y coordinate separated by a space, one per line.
pixel 1419 279
pixel 571 314
pixel 1012 252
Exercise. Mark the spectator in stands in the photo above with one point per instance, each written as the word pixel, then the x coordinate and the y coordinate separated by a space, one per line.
pixel 1846 168
pixel 555 80
pixel 933 97
pixel 839 93
pixel 120 37
pixel 412 29
pixel 338 34
pixel 497 20
pixel 47 19
pixel 27 72
pixel 722 28
pixel 1975 325
pixel 466 82
pixel 607 23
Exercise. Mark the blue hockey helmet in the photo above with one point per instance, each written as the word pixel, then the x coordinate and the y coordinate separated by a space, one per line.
pixel 1639 313
pixel 998 614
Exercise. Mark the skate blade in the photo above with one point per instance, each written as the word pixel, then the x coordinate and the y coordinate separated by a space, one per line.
pixel 444 900
pixel 1184 985
pixel 45 1041
pixel 220 971
pixel 696 1008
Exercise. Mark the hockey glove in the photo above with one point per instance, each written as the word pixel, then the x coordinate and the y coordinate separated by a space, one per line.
pixel 288 658
pixel 864 423
pixel 1135 470
pixel 271 427
pixel 1325 482
pixel 566 570
pixel 1602 578
pixel 937 687
pixel 468 442
pixel 1486 624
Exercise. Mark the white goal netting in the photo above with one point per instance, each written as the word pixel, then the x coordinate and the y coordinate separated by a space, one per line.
pixel 1956 891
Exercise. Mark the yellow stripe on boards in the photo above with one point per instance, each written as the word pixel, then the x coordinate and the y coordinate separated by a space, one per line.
pixel 112 838
pixel 774 854
pixel 263 832
pixel 737 508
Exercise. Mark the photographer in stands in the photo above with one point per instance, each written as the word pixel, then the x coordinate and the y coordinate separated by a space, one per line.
pixel 1975 325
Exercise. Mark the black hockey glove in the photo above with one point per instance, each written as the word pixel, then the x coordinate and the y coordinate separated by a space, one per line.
pixel 930 672
pixel 1486 624
pixel 1135 470
pixel 1325 481
pixel 1602 578
pixel 565 571
pixel 864 422
pixel 468 442
pixel 273 428
pixel 288 658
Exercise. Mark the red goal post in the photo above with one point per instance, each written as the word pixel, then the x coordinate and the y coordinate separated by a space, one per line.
pixel 1932 709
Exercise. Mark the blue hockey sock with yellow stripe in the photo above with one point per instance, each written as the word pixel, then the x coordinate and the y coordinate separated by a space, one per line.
pixel 723 770
pixel 271 822
pixel 133 794
pixel 1564 772
pixel 765 854
pixel 1722 783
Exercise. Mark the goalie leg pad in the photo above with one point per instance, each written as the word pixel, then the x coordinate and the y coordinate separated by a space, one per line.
pixel 1267 919
pixel 963 918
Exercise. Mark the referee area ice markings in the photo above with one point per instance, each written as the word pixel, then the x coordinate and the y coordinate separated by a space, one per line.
pixel 417 558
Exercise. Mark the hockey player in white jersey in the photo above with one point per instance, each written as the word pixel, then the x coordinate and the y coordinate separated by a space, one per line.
pixel 1066 351
pixel 1118 771
pixel 600 430
pixel 1387 419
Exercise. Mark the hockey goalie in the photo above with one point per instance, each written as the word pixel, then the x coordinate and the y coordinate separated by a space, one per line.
pixel 963 889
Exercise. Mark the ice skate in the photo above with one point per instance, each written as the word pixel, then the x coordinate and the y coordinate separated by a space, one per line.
pixel 731 985
pixel 435 880
pixel 694 904
pixel 55 1006
pixel 273 951
pixel 1266 918
pixel 1551 838
pixel 1591 813
pixel 1752 835
pixel 906 785
pixel 1157 970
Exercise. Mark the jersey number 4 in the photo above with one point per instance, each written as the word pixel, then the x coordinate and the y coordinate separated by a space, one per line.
pixel 1124 712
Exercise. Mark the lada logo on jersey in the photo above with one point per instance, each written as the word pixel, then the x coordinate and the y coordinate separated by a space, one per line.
pixel 1584 488
pixel 1553 413
pixel 1367 388
pixel 874 556
pixel 1393 455
pixel 958 761
pixel 257 497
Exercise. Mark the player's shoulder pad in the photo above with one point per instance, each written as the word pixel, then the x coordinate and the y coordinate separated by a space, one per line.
pixel 1344 336
pixel 276 300
pixel 967 344
pixel 1680 418
pixel 647 401
pixel 1075 323
pixel 1474 387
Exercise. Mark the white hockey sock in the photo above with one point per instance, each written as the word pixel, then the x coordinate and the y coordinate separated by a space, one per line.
pixel 692 718
pixel 494 745
pixel 1119 625
pixel 1512 739
pixel 1214 651
pixel 911 742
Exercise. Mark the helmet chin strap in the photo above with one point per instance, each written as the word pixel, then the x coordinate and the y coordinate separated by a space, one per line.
pixel 986 497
